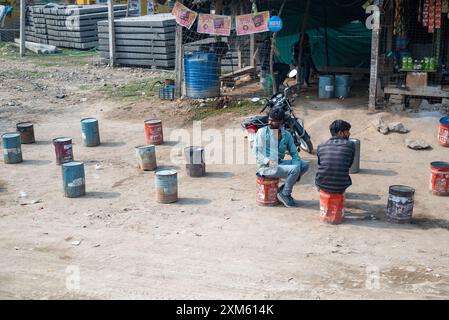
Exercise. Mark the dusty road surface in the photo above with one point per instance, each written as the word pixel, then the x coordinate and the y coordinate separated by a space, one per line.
pixel 215 242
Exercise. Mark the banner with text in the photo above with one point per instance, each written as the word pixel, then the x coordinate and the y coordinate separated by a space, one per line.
pixel 184 16
pixel 252 23
pixel 214 24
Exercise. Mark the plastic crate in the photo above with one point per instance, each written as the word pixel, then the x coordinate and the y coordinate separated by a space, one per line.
pixel 167 93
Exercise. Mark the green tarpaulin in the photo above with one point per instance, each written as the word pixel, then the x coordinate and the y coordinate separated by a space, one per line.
pixel 349 41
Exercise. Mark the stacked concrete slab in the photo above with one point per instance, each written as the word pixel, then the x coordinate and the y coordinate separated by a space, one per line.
pixel 147 41
pixel 68 26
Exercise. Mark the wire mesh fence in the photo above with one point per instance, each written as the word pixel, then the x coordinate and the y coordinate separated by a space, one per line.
pixel 414 46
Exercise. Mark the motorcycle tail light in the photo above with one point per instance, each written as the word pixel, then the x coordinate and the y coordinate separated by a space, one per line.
pixel 251 128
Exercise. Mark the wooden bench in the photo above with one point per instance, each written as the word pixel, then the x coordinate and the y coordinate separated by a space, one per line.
pixel 229 79
pixel 435 92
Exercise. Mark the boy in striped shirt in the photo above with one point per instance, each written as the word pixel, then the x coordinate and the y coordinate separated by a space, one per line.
pixel 335 158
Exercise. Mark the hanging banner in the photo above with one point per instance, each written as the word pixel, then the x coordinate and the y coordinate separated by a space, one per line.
pixel 252 23
pixel 214 24
pixel 425 14
pixel 184 16
pixel 431 25
pixel 438 9
pixel 161 6
pixel 445 6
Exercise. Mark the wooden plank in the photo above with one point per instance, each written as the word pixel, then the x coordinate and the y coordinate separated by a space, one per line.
pixel 238 73
pixel 374 74
pixel 435 92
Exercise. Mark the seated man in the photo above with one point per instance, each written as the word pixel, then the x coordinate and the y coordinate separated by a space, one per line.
pixel 270 146
pixel 335 158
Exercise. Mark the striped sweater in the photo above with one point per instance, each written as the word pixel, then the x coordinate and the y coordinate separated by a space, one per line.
pixel 335 158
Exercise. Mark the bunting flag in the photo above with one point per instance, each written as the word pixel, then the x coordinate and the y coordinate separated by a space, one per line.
pixel 252 23
pixel 438 14
pixel 184 16
pixel 425 14
pixel 431 26
pixel 445 6
pixel 214 24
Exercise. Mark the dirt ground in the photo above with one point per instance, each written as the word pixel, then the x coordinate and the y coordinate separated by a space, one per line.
pixel 215 242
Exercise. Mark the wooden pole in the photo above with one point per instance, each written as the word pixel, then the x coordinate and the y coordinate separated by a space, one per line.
pixel 179 61
pixel 326 38
pixel 301 45
pixel 111 33
pixel 22 27
pixel 374 64
pixel 273 44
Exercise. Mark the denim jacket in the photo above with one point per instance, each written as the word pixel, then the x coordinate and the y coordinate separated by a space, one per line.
pixel 268 148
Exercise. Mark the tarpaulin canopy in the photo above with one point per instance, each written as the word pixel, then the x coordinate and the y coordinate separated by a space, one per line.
pixel 348 39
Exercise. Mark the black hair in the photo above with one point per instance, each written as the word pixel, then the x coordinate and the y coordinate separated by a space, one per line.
pixel 339 126
pixel 277 114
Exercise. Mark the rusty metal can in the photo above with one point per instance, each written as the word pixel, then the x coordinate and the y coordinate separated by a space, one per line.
pixel 63 150
pixel 166 182
pixel 195 164
pixel 26 130
pixel 400 204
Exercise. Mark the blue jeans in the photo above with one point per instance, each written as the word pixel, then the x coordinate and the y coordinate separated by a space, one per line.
pixel 291 172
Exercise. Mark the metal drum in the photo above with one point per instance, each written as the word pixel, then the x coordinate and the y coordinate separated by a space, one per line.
pixel 327 87
pixel 154 134
pixel 195 165
pixel 332 207
pixel 63 150
pixel 146 157
pixel 26 130
pixel 266 191
pixel 90 132
pixel 439 179
pixel 166 182
pixel 355 168
pixel 12 149
pixel 443 132
pixel 342 85
pixel 73 179
pixel 400 204
pixel 201 75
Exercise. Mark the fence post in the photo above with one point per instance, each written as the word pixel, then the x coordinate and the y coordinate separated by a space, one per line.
pixel 22 27
pixel 111 33
pixel 178 62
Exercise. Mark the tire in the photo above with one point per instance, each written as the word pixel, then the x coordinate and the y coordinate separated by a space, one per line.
pixel 304 142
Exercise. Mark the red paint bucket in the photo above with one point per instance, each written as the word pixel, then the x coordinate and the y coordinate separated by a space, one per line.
pixel 63 150
pixel 153 132
pixel 267 191
pixel 332 207
pixel 439 178
pixel 443 133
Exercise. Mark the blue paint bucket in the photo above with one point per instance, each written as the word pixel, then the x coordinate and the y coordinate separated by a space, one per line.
pixel 342 85
pixel 327 87
pixel 12 148
pixel 201 75
pixel 90 132
pixel 74 181
pixel 166 182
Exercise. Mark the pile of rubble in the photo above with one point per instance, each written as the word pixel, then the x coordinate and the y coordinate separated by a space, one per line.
pixel 396 103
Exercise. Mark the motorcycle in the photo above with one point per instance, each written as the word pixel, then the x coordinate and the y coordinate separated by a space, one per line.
pixel 292 124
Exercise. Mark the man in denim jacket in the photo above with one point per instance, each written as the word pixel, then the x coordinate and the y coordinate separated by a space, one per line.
pixel 271 144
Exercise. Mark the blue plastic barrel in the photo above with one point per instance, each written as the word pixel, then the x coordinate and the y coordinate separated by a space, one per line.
pixel 166 182
pixel 201 75
pixel 342 85
pixel 73 179
pixel 90 132
pixel 12 148
pixel 327 87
